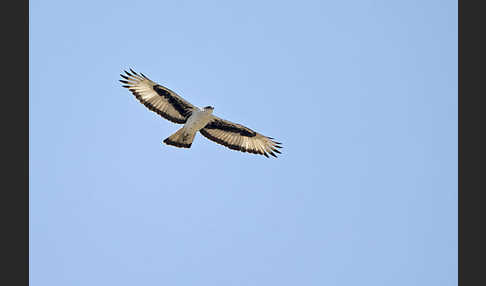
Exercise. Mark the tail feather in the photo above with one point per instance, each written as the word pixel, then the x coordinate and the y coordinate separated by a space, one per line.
pixel 181 138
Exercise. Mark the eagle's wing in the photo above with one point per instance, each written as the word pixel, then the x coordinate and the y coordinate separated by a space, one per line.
pixel 158 98
pixel 239 137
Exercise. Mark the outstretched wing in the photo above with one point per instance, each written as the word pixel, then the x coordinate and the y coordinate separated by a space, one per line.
pixel 239 137
pixel 158 98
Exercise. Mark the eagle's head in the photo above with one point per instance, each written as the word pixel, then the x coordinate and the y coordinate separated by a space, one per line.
pixel 208 109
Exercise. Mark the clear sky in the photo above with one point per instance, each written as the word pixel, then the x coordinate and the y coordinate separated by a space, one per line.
pixel 362 94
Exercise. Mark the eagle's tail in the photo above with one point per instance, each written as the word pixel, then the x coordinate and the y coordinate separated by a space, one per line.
pixel 182 138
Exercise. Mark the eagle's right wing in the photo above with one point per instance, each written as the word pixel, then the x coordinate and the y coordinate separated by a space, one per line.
pixel 158 98
pixel 238 137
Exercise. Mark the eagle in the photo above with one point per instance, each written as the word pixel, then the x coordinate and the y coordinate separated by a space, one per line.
pixel 174 108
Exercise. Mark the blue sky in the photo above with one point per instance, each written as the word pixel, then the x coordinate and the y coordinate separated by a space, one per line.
pixel 362 94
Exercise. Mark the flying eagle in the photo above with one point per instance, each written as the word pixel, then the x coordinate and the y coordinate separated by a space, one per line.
pixel 172 107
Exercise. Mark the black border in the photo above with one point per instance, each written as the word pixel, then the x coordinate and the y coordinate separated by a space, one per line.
pixel 471 130
pixel 15 135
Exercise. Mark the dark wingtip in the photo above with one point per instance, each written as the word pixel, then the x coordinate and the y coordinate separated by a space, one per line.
pixel 133 71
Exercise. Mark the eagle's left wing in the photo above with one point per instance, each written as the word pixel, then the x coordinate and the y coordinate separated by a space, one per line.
pixel 157 98
pixel 238 137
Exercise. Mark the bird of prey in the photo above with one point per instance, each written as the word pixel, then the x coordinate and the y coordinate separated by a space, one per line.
pixel 172 107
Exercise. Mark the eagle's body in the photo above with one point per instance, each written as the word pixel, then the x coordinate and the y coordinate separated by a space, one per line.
pixel 198 119
pixel 195 122
pixel 174 108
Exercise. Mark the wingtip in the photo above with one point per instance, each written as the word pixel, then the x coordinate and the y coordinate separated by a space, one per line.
pixel 133 71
